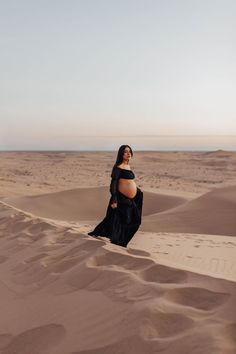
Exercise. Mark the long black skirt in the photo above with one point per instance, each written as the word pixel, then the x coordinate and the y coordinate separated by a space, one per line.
pixel 121 223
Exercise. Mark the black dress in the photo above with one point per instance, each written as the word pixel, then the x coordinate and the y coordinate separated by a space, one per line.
pixel 121 223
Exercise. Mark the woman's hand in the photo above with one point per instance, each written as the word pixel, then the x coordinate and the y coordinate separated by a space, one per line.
pixel 114 205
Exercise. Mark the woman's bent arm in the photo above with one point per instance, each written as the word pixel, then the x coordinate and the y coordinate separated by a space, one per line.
pixel 114 184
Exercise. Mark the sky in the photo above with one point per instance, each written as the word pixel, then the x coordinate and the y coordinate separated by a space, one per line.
pixel 94 74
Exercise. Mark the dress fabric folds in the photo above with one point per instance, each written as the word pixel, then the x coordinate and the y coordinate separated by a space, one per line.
pixel 121 223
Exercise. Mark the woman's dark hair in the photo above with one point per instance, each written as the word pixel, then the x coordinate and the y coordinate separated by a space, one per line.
pixel 120 154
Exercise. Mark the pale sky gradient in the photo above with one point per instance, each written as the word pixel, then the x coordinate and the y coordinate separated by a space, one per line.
pixel 108 68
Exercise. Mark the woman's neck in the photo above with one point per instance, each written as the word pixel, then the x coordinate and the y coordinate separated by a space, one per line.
pixel 125 162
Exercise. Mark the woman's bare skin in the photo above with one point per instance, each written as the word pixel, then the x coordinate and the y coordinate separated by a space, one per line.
pixel 126 186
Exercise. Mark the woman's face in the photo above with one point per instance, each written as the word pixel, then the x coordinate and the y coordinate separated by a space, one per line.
pixel 127 154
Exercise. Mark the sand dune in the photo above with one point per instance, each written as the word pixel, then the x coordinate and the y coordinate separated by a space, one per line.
pixel 63 292
pixel 220 153
pixel 171 291
pixel 85 203
pixel 212 213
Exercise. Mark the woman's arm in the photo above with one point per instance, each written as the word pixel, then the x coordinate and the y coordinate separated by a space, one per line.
pixel 114 184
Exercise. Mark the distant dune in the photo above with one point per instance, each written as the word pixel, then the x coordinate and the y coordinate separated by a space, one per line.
pixel 86 203
pixel 220 153
pixel 212 213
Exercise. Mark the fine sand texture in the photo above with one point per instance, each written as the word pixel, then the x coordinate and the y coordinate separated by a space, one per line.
pixel 172 290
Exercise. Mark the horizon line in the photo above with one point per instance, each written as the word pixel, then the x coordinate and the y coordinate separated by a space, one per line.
pixel 108 150
pixel 149 135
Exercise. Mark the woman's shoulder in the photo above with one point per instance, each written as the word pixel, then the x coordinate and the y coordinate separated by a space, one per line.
pixel 115 171
pixel 122 167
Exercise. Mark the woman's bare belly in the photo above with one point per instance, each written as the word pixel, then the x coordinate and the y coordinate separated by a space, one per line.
pixel 127 187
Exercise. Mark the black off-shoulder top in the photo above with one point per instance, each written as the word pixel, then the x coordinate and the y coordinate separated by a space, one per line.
pixel 127 174
pixel 116 174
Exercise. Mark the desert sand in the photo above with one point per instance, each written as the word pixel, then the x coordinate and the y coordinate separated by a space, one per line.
pixel 172 290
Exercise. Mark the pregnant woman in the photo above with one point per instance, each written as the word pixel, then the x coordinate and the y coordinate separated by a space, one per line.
pixel 124 211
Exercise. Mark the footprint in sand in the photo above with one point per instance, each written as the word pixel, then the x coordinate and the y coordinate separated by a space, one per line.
pixel 157 324
pixel 120 260
pixel 163 274
pixel 198 298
